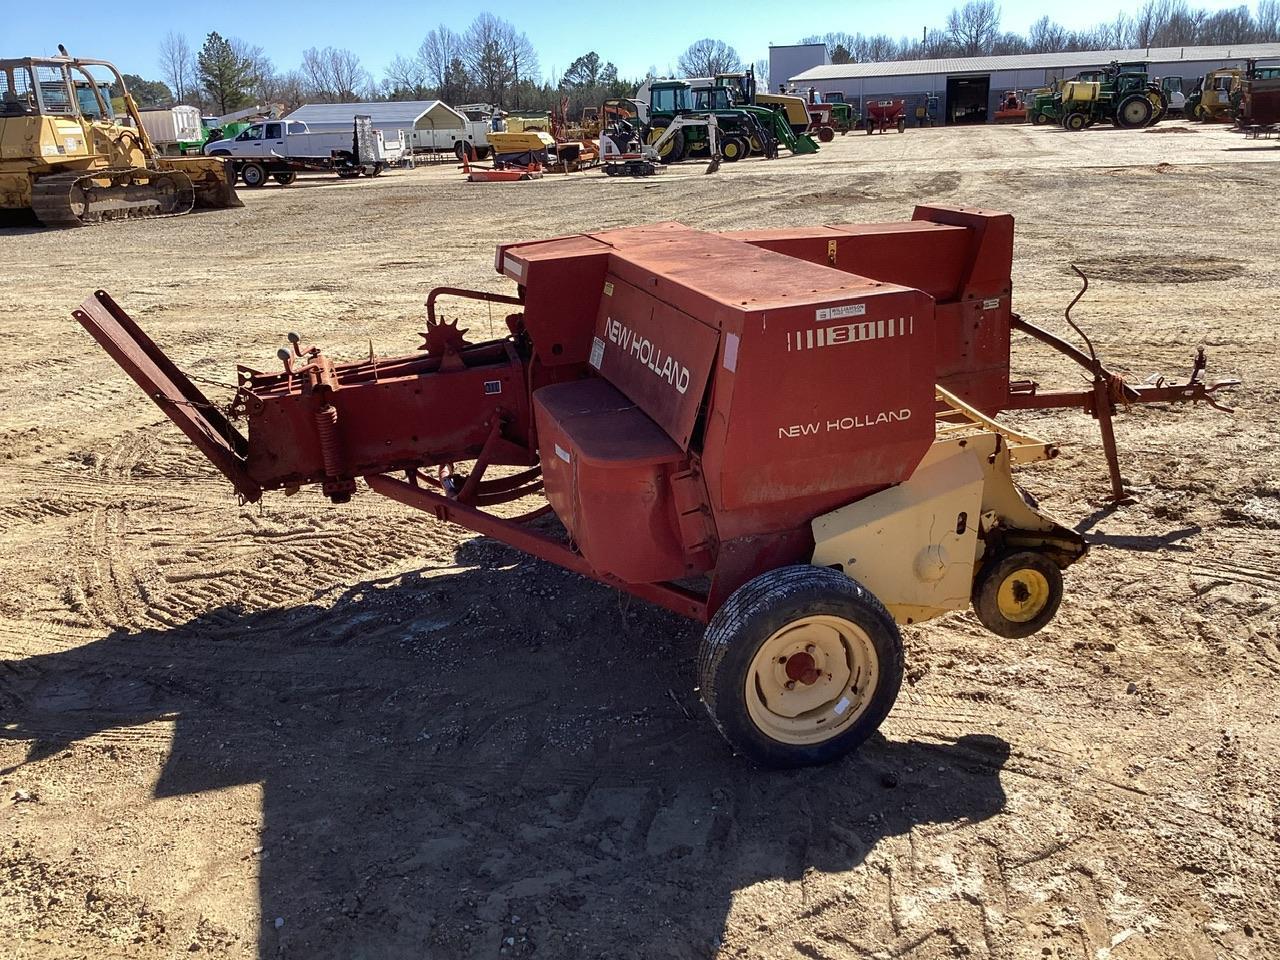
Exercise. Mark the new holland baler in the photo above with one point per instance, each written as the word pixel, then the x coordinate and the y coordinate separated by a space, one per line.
pixel 784 434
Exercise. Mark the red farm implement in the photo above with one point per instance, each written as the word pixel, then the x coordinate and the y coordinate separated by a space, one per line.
pixel 784 434
pixel 883 115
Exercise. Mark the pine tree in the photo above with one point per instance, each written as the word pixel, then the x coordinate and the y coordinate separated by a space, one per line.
pixel 224 74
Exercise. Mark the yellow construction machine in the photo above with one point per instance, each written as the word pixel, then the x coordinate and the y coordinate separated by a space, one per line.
pixel 67 157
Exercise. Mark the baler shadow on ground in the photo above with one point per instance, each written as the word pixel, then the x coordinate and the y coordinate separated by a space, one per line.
pixel 438 781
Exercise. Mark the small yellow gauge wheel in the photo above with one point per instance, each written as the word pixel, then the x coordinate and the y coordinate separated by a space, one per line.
pixel 1017 594
pixel 800 666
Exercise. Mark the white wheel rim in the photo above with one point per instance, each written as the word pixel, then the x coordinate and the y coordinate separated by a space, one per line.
pixel 811 679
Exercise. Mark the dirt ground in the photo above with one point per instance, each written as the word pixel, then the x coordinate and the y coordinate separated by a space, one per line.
pixel 310 731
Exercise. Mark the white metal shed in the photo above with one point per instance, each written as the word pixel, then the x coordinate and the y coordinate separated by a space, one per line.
pixel 425 118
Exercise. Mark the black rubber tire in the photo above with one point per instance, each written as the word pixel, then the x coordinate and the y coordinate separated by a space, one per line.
pixel 902 125
pixel 253 174
pixel 463 150
pixel 733 149
pixel 826 134
pixel 750 616
pixel 1039 119
pixel 285 177
pixel 1075 121
pixel 1161 112
pixel 1134 111
pixel 986 587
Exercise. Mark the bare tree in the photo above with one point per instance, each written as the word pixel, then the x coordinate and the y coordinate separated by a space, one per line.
pixel 405 79
pixel 178 65
pixel 840 45
pixel 972 29
pixel 262 82
pixel 762 74
pixel 1046 36
pixel 487 49
pixel 439 48
pixel 1268 21
pixel 707 57
pixel 334 75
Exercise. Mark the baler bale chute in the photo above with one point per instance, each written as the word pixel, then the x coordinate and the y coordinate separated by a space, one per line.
pixel 786 435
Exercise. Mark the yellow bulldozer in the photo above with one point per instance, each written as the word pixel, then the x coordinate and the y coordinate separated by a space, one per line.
pixel 68 158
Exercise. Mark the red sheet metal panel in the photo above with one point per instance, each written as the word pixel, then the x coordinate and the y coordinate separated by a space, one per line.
pixel 656 355
pixel 819 402
pixel 928 256
pixel 607 470
pixel 562 280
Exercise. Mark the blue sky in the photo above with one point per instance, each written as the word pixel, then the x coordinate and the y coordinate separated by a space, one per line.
pixel 634 36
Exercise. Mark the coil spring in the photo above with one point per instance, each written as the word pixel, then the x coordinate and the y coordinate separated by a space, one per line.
pixel 327 429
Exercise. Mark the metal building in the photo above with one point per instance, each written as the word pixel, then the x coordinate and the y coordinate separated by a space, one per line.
pixel 969 88
pixel 422 117
pixel 787 60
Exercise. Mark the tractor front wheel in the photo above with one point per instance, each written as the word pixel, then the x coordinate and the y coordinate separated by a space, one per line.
pixel 800 666
pixel 902 125
pixel 733 149
pixel 1017 594
pixel 1075 121
pixel 826 134
pixel 1039 119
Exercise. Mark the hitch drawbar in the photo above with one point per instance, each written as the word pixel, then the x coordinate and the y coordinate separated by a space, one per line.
pixel 173 392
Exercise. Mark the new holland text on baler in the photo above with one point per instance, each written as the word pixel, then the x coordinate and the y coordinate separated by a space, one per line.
pixel 785 434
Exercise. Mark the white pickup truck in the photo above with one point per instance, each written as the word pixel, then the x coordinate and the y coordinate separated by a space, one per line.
pixel 280 148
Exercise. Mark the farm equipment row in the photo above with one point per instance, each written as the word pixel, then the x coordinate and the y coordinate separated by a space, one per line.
pixel 787 435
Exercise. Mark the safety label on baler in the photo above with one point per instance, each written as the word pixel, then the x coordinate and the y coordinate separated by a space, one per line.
pixel 836 313
pixel 597 352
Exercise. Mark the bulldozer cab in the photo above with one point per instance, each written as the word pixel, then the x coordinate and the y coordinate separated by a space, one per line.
pixel 58 87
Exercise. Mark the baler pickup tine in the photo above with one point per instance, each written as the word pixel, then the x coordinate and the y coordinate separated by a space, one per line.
pixel 161 380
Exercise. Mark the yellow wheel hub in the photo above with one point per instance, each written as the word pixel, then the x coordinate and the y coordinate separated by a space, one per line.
pixel 1023 595
pixel 811 679
pixel 655 135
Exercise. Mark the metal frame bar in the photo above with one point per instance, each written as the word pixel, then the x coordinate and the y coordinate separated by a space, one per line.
pixel 674 598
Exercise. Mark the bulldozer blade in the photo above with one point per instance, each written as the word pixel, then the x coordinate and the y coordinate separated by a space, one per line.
pixel 173 392
pixel 212 177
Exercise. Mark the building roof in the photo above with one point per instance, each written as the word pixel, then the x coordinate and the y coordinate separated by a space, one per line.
pixel 404 113
pixel 1033 61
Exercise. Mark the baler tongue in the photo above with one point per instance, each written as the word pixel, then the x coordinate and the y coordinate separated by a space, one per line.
pixel 173 392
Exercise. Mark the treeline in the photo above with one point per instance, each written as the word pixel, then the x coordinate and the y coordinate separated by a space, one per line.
pixel 493 61
pixel 974 30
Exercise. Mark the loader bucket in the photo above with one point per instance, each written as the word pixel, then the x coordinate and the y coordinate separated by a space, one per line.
pixel 212 177
pixel 173 392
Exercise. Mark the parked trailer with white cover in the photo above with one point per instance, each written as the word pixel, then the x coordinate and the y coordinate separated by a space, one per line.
pixel 171 126
pixel 427 125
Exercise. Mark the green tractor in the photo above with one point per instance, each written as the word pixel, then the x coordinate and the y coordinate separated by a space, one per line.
pixel 671 104
pixel 740 127
pixel 844 117
pixel 1122 94
pixel 784 116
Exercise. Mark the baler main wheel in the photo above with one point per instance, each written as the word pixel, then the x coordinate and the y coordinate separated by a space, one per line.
pixel 800 666
pixel 1017 594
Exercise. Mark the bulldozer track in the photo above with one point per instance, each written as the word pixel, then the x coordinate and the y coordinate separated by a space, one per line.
pixel 51 197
